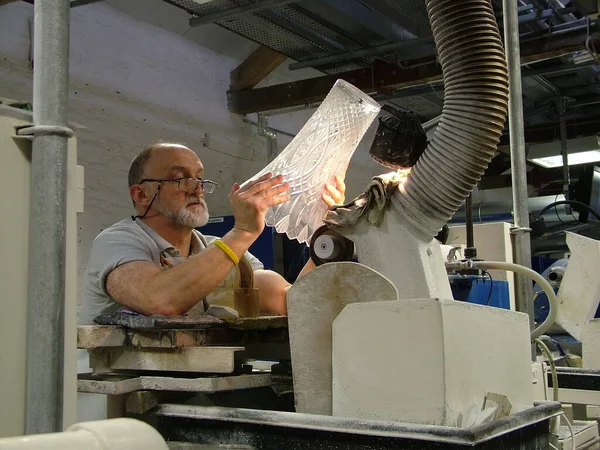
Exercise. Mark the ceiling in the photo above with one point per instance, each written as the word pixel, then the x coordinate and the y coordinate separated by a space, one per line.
pixel 339 36
pixel 364 41
pixel 385 48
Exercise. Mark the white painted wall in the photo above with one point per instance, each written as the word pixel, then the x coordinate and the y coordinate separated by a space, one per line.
pixel 135 82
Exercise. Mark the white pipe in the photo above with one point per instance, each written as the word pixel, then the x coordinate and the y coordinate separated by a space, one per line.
pixel 522 270
pixel 113 434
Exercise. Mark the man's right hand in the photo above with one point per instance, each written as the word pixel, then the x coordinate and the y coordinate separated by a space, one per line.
pixel 250 202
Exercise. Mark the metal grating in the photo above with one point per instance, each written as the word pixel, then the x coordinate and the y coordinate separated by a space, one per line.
pixel 211 7
pixel 568 80
pixel 309 28
pixel 425 108
pixel 341 67
pixel 305 20
pixel 535 90
pixel 276 37
pixel 415 9
pixel 297 32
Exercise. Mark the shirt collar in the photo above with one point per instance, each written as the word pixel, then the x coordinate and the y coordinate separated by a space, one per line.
pixel 161 242
pixel 196 244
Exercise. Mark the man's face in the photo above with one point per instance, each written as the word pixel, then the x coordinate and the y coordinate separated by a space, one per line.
pixel 187 209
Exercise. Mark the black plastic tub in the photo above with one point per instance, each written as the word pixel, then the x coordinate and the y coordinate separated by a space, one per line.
pixel 270 430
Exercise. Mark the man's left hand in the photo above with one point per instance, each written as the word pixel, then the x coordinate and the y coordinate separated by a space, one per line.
pixel 334 194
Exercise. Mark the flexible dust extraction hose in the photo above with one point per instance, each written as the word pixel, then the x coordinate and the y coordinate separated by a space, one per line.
pixel 552 299
pixel 475 74
pixel 500 265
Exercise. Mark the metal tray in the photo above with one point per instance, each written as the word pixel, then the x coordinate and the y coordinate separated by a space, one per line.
pixel 271 430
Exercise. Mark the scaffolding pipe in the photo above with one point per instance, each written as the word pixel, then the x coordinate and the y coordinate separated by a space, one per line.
pixel 521 230
pixel 271 135
pixel 564 150
pixel 45 318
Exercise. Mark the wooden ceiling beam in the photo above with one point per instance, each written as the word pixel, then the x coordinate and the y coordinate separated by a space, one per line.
pixel 254 69
pixel 382 77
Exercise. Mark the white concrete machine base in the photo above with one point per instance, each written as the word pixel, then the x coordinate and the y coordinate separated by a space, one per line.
pixel 427 361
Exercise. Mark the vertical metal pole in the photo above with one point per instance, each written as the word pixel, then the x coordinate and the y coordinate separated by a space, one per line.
pixel 264 130
pixel 470 251
pixel 45 321
pixel 522 241
pixel 564 151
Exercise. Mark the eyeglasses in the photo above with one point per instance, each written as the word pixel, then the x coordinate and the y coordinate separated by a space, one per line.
pixel 188 185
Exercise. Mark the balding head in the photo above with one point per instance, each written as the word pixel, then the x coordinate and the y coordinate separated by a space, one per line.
pixel 139 168
pixel 139 165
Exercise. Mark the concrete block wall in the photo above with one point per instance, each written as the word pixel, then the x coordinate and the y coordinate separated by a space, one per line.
pixel 132 83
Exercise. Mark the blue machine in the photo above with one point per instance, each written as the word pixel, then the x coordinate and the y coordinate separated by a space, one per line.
pixel 263 247
pixel 540 303
pixel 480 290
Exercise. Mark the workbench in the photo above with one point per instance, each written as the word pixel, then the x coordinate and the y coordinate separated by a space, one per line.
pixel 140 361
pixel 150 366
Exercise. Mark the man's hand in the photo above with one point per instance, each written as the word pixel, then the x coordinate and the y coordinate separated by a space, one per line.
pixel 250 202
pixel 334 195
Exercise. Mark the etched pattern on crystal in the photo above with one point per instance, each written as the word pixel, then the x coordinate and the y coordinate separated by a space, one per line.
pixel 320 151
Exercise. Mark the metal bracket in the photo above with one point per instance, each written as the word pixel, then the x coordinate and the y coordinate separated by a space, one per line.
pixel 452 254
pixel 264 130
pixel 30 131
pixel 515 230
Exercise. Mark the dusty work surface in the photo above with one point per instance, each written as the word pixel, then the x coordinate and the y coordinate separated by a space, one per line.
pixel 257 330
pixel 119 384
pixel 140 322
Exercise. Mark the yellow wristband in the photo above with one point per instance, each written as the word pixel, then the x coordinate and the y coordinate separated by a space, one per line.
pixel 223 246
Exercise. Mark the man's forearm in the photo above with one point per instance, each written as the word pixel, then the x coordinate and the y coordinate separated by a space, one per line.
pixel 187 283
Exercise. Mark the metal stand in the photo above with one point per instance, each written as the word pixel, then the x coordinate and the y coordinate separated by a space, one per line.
pixel 522 240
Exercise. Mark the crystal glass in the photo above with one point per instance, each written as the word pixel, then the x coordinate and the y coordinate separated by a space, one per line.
pixel 320 151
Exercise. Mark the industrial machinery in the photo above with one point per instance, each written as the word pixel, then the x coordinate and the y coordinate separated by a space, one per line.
pixel 377 354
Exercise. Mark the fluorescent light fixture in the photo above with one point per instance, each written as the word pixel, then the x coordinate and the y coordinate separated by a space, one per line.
pixel 550 162
pixel 202 2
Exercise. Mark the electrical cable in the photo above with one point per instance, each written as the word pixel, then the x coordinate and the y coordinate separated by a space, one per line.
pixel 591 47
pixel 570 429
pixel 548 355
pixel 571 212
pixel 149 206
pixel 552 299
pixel 559 348
pixel 557 215
pixel 568 202
pixel 489 297
pixel 556 209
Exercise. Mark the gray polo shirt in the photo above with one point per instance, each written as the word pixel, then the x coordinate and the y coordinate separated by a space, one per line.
pixel 128 241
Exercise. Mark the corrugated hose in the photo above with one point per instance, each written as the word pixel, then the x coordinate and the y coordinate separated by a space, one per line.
pixel 475 74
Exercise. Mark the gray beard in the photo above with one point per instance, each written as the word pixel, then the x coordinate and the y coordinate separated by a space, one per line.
pixel 184 216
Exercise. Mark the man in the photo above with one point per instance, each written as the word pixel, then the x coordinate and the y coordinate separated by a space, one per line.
pixel 156 263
